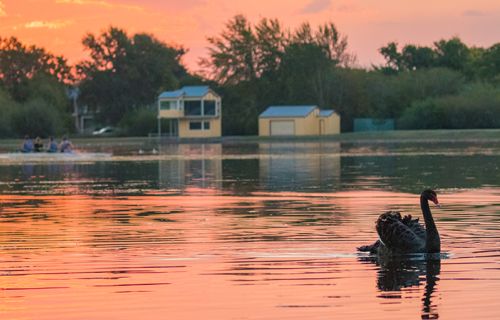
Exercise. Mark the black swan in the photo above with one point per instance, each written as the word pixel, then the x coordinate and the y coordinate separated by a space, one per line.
pixel 405 235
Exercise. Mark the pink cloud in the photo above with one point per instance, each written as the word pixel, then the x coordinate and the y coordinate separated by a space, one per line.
pixel 316 6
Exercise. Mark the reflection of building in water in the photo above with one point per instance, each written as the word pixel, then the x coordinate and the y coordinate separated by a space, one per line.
pixel 192 165
pixel 300 165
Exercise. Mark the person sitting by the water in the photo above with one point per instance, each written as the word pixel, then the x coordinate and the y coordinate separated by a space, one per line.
pixel 66 146
pixel 27 146
pixel 52 145
pixel 38 146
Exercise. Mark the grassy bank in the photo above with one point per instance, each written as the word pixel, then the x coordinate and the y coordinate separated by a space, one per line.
pixel 423 135
pixel 352 137
pixel 391 136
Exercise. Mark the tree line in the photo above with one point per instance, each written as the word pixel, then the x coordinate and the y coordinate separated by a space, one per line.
pixel 446 85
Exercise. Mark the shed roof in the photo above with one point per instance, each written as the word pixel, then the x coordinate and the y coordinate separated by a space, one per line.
pixel 326 113
pixel 186 92
pixel 287 111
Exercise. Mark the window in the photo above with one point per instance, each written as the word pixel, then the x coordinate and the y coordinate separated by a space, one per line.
pixel 199 125
pixel 164 105
pixel 194 125
pixel 209 107
pixel 192 108
pixel 168 105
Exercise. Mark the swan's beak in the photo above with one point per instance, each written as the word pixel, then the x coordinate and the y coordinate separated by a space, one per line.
pixel 436 202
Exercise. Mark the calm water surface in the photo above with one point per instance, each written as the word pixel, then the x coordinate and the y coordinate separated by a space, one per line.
pixel 252 231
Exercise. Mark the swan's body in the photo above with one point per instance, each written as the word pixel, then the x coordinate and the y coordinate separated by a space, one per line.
pixel 399 234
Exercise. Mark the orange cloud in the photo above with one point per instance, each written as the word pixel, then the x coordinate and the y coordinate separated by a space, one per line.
pixel 101 3
pixel 48 24
pixel 59 25
pixel 2 9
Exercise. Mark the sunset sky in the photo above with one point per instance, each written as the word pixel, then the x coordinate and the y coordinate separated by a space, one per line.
pixel 59 25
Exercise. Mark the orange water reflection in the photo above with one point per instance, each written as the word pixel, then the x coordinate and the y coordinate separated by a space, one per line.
pixel 266 255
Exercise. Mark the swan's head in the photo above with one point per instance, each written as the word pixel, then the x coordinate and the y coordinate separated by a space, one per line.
pixel 430 195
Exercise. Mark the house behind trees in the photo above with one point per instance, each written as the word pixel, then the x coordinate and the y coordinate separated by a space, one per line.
pixel 192 112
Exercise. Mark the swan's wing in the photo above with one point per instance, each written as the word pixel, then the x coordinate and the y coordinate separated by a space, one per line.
pixel 414 226
pixel 396 235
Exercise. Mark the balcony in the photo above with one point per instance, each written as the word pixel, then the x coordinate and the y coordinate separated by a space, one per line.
pixel 198 108
pixel 170 109
pixel 188 109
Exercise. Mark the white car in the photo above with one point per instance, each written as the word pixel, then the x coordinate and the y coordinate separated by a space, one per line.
pixel 103 131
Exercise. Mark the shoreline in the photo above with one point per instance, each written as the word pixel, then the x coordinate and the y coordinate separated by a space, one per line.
pixel 396 136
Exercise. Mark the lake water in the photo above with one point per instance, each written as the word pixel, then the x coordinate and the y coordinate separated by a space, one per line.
pixel 248 231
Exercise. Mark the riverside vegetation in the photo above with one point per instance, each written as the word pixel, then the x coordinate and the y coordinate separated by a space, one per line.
pixel 448 85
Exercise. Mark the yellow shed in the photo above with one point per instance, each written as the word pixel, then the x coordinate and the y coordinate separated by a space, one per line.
pixel 298 121
pixel 329 122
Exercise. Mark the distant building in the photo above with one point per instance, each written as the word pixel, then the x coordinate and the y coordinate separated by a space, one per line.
pixel 298 121
pixel 193 112
pixel 371 124
pixel 84 119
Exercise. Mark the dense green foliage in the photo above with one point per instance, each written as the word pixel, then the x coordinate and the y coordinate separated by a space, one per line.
pixel 33 96
pixel 267 65
pixel 253 66
pixel 478 106
pixel 139 122
pixel 125 73
pixel 7 105
pixel 19 64
pixel 37 118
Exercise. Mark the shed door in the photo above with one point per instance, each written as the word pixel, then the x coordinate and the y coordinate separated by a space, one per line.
pixel 322 126
pixel 282 127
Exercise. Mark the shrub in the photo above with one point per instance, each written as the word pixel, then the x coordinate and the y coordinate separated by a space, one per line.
pixel 7 106
pixel 139 122
pixel 36 118
pixel 476 107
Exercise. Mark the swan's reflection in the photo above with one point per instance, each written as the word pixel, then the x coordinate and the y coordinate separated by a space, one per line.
pixel 396 273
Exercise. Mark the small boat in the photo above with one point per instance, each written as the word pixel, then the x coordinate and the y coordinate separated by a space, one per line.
pixel 45 157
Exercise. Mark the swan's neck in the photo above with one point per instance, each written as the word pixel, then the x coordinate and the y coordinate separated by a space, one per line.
pixel 433 243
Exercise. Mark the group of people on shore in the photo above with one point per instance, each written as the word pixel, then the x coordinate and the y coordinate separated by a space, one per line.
pixel 29 145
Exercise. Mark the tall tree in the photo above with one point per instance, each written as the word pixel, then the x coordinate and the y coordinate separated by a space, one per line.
pixel 20 63
pixel 232 56
pixel 125 73
pixel 453 53
pixel 334 44
pixel 490 63
pixel 392 56
pixel 303 72
pixel 416 57
pixel 328 38
pixel 271 40
pixel 243 52
pixel 303 34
